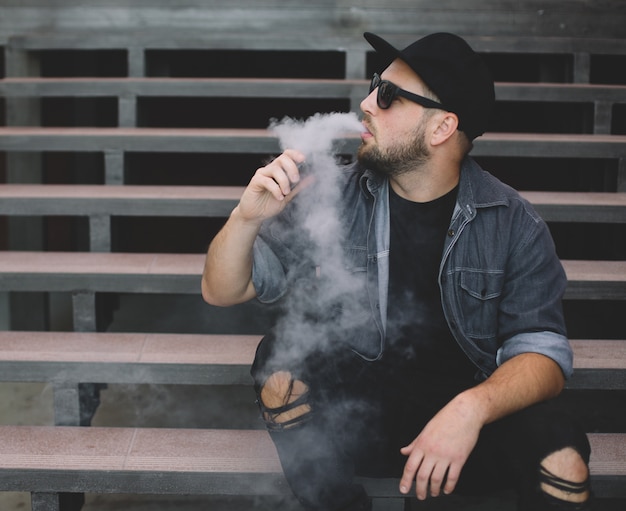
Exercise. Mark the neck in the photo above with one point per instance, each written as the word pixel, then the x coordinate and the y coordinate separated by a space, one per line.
pixel 425 185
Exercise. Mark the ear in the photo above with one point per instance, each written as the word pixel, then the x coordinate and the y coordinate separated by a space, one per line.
pixel 447 124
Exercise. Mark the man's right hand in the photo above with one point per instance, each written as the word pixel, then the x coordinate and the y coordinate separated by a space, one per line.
pixel 227 276
pixel 272 187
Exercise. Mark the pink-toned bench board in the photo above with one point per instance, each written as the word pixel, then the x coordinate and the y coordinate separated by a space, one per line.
pixel 208 359
pixel 192 461
pixel 180 273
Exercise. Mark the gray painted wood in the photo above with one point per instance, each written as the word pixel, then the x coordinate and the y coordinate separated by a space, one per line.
pixel 98 202
pixel 186 359
pixel 259 141
pixel 280 88
pixel 338 17
pixel 169 461
pixel 180 273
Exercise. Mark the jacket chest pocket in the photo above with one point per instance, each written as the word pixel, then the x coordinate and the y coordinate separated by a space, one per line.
pixel 480 299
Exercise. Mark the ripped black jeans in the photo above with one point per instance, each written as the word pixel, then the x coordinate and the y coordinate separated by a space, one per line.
pixel 356 415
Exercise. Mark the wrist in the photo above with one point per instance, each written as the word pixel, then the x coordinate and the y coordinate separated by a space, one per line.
pixel 251 224
pixel 474 405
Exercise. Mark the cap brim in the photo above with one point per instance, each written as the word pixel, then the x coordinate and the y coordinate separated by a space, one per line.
pixel 382 46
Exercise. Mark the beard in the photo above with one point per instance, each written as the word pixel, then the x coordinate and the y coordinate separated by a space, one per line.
pixel 398 159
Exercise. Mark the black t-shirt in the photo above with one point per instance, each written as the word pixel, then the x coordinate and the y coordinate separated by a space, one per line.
pixel 418 337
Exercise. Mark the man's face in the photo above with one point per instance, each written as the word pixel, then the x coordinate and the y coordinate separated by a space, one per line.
pixel 396 141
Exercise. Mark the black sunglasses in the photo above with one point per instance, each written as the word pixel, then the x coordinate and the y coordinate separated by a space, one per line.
pixel 387 92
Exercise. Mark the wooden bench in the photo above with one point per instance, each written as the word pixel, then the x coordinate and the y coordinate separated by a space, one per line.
pixel 48 460
pixel 129 90
pixel 219 201
pixel 211 359
pixel 278 88
pixel 114 143
pixel 330 35
pixel 212 140
pixel 180 273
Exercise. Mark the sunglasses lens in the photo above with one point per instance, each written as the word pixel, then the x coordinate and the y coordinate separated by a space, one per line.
pixel 386 93
pixel 374 83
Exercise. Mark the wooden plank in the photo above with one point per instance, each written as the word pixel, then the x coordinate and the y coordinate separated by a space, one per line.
pixel 598 364
pixel 100 272
pixel 128 200
pixel 133 358
pixel 579 207
pixel 130 460
pixel 189 87
pixel 279 88
pixel 189 359
pixel 559 92
pixel 180 273
pixel 583 6
pixel 190 461
pixel 595 280
pixel 139 140
pixel 258 141
pixel 519 33
pixel 139 200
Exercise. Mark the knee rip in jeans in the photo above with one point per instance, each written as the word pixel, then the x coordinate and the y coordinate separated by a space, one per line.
pixel 284 401
pixel 564 475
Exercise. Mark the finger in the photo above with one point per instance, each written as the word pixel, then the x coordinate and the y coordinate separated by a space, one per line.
pixel 454 472
pixel 410 469
pixel 407 449
pixel 272 185
pixel 422 479
pixel 302 185
pixel 437 478
pixel 290 161
pixel 278 173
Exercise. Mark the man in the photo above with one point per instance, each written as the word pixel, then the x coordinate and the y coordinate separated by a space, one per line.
pixel 457 341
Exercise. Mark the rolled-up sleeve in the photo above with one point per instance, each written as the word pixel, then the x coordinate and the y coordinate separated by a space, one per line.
pixel 268 274
pixel 550 344
pixel 531 312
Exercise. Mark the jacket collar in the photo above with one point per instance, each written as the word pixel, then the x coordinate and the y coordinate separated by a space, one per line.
pixel 477 188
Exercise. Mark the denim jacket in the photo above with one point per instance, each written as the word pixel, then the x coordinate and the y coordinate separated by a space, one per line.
pixel 500 278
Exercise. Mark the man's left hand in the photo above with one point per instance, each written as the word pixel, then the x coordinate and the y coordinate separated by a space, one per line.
pixel 437 455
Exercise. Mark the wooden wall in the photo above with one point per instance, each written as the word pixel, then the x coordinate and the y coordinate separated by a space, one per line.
pixel 321 18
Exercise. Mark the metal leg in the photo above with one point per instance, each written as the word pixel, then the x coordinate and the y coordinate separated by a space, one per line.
pixel 41 501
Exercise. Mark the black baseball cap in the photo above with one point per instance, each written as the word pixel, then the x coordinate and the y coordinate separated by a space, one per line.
pixel 453 71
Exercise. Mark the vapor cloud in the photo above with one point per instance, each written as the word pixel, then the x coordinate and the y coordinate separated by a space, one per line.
pixel 319 222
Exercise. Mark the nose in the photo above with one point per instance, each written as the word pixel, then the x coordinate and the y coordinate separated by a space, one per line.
pixel 369 102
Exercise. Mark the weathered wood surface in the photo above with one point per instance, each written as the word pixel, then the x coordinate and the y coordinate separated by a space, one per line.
pixel 218 201
pixel 211 359
pixel 180 273
pixel 576 18
pixel 192 461
pixel 279 88
pixel 259 141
